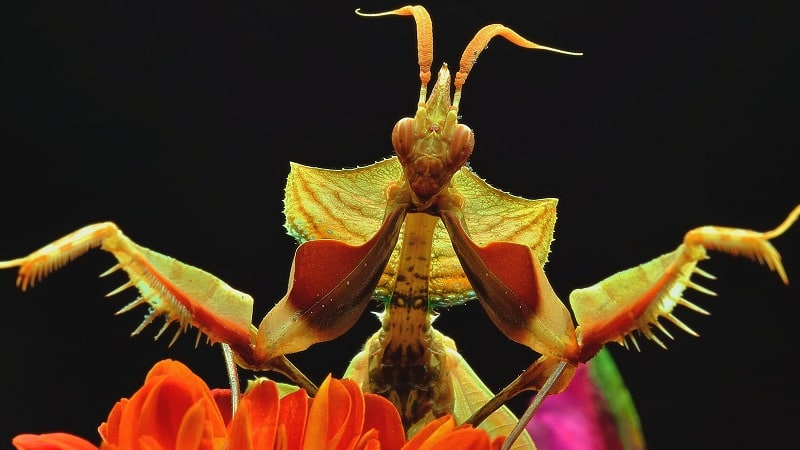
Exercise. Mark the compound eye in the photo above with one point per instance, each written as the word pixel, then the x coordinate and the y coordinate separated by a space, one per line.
pixel 462 144
pixel 403 138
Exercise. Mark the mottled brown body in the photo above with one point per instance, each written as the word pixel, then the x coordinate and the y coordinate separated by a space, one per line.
pixel 407 362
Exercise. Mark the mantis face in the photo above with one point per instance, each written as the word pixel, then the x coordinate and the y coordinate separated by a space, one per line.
pixel 432 146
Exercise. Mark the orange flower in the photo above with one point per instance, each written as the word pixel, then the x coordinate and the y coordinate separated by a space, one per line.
pixel 175 409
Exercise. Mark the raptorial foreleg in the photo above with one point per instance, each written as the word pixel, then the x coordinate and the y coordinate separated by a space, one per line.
pixel 634 299
pixel 183 294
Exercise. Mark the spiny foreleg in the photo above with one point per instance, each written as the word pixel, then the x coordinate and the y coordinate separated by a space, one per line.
pixel 634 299
pixel 183 294
pixel 740 242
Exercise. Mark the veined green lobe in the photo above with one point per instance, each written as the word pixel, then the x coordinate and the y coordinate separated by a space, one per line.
pixel 349 205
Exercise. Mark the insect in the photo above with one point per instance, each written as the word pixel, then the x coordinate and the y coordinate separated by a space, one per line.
pixel 414 208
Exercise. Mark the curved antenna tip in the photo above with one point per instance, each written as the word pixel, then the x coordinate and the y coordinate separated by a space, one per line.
pixel 363 14
pixel 556 50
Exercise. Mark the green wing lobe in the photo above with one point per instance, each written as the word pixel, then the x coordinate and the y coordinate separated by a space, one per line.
pixel 349 205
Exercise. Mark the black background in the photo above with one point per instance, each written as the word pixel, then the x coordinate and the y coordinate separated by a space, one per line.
pixel 178 123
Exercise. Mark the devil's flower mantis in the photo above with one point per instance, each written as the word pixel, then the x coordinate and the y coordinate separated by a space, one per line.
pixel 505 273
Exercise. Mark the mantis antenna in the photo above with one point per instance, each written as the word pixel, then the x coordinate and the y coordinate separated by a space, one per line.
pixel 471 52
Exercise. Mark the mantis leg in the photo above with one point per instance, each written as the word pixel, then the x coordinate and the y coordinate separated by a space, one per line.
pixel 316 308
pixel 634 299
pixel 183 294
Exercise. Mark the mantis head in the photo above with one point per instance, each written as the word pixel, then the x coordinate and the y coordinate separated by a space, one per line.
pixel 432 146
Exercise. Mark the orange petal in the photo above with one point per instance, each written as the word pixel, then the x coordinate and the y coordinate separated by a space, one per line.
pixel 156 411
pixel 466 438
pixel 319 415
pixel 369 441
pixel 373 445
pixel 443 434
pixel 381 415
pixel 169 367
pixel 146 442
pixel 329 411
pixel 240 433
pixel 224 403
pixel 51 441
pixel 163 409
pixel 281 441
pixel 497 443
pixel 109 430
pixel 431 432
pixel 264 404
pixel 292 419
pixel 351 428
pixel 191 432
